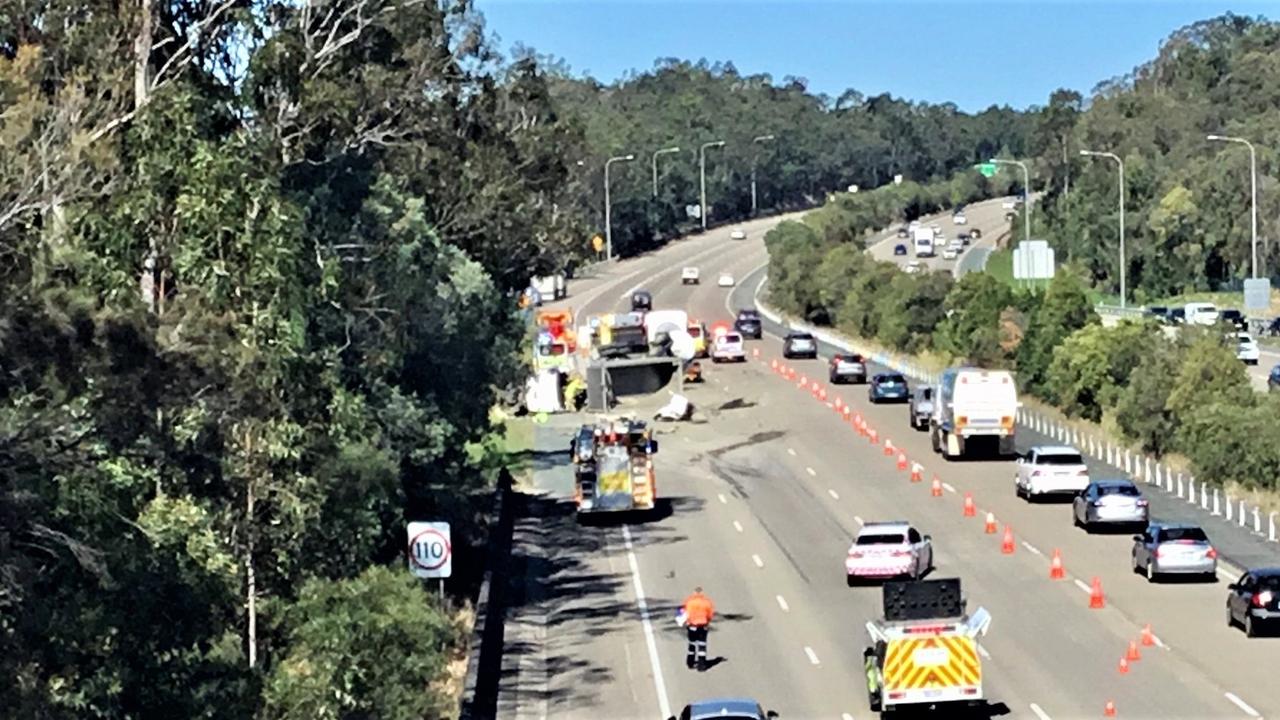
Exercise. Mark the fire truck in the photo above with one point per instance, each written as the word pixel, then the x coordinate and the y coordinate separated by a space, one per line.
pixel 924 650
pixel 613 467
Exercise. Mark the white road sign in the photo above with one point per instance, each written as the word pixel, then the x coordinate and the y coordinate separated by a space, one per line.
pixel 430 550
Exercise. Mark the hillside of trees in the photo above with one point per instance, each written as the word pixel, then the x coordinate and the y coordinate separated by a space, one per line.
pixel 1187 214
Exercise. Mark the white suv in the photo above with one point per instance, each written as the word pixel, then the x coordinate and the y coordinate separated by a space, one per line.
pixel 1051 470
pixel 689 276
pixel 727 347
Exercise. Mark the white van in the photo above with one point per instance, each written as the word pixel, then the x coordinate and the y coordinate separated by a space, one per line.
pixel 1201 313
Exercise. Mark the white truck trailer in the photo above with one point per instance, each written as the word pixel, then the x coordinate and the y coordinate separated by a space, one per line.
pixel 975 410
pixel 924 240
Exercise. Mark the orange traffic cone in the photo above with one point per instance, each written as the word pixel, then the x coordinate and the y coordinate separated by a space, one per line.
pixel 902 461
pixel 773 364
pixel 755 352
pixel 1096 598
pixel 936 490
pixel 888 447
pixel 917 472
pixel 839 402
pixel 1124 666
pixel 991 524
pixel 845 411
pixel 873 436
pixel 1133 654
pixel 1148 638
pixel 1006 545
pixel 1109 710
pixel 1056 572
pixel 822 394
pixel 969 509
pixel 804 381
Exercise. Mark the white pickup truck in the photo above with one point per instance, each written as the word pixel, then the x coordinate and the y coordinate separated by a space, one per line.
pixel 1050 470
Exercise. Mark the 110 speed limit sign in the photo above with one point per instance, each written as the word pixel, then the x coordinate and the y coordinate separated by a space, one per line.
pixel 430 550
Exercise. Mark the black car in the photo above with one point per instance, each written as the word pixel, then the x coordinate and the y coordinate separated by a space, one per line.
pixel 899 249
pixel 641 301
pixel 903 233
pixel 847 367
pixel 1176 316
pixel 1234 317
pixel 1253 601
pixel 800 345
pixel 963 237
pixel 1158 312
pixel 1273 379
pixel 748 324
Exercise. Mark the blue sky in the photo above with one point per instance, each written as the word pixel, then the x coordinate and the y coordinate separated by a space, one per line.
pixel 974 54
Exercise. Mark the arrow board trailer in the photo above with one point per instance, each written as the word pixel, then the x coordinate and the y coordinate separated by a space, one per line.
pixel 430 549
pixel 924 650
pixel 975 409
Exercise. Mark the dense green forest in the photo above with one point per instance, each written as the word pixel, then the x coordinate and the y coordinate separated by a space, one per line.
pixel 1187 198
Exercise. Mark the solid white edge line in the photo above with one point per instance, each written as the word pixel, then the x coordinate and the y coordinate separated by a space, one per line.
pixel 756 559
pixel 948 488
pixel 811 472
pixel 791 452
pixel 723 501
pixel 1235 699
pixel 834 495
pixel 1040 713
pixel 1082 585
pixel 813 657
pixel 1031 548
pixel 660 685
pixel 782 603
pixel 858 520
pixel 737 526
pixel 846 716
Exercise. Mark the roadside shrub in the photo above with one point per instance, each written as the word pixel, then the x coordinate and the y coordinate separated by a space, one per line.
pixel 1064 309
pixel 1231 444
pixel 1091 366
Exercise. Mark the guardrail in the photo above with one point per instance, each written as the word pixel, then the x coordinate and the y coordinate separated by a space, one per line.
pixel 1116 310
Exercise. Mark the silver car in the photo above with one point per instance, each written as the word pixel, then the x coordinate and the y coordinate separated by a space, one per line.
pixel 1110 502
pixel 921 408
pixel 1166 549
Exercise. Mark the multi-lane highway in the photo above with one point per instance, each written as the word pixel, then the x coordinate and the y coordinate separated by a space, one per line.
pixel 987 217
pixel 763 493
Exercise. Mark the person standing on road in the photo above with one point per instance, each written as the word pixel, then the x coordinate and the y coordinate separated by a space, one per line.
pixel 698 612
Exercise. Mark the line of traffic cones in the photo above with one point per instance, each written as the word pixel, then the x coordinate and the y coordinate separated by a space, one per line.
pixel 917 472
pixel 902 461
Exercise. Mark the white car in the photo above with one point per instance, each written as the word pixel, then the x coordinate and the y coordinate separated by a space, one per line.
pixel 727 347
pixel 1247 349
pixel 913 267
pixel 726 280
pixel 1009 204
pixel 738 235
pixel 959 219
pixel 1050 470
pixel 950 253
pixel 1201 313
pixel 689 276
pixel 888 550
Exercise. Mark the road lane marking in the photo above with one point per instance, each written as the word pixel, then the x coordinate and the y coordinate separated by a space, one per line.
pixel 834 495
pixel 858 520
pixel 1235 699
pixel 948 488
pixel 1040 713
pixel 983 652
pixel 650 641
pixel 723 501
pixel 813 657
pixel 756 559
pixel 782 603
pixel 737 526
pixel 846 716
pixel 1081 584
pixel 811 472
pixel 1031 548
pixel 791 452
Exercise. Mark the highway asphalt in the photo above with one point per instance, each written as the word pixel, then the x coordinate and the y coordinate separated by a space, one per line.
pixel 765 491
pixel 986 216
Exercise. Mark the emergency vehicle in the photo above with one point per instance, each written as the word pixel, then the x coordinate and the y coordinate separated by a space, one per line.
pixel 924 650
pixel 613 467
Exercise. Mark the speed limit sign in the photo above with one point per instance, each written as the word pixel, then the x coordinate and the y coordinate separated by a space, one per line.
pixel 430 550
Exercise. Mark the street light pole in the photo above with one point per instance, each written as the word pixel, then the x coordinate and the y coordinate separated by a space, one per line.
pixel 608 219
pixel 754 156
pixel 663 151
pixel 1253 180
pixel 1123 259
pixel 1026 189
pixel 702 177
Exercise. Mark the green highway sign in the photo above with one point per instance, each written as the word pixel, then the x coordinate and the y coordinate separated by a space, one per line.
pixel 987 169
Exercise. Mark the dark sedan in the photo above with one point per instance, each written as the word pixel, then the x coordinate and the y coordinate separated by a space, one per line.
pixel 1253 601
pixel 899 249
pixel 888 387
pixel 748 324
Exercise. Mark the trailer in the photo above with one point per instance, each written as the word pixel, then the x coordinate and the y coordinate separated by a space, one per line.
pixel 973 407
pixel 924 650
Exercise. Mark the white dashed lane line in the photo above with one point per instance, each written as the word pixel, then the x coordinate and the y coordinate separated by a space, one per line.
pixel 1040 713
pixel 723 501
pixel 782 603
pixel 1082 585
pixel 737 526
pixel 1031 548
pixel 834 495
pixel 756 559
pixel 858 520
pixel 948 488
pixel 813 657
pixel 811 471
pixel 791 452
pixel 846 716
pixel 1235 700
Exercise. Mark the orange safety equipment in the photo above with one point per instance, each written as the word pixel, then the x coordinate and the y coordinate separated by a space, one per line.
pixel 698 609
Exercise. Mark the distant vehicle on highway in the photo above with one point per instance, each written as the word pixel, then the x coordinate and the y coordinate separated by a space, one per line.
pixel 904 233
pixel 1159 312
pixel 959 218
pixel 690 276
pixel 641 301
pixel 920 408
pixel 726 280
pixel 1009 204
pixel 890 387
pixel 1273 378
pixel 975 233
pixel 913 267
pixel 1247 350
pixel 899 249
pixel 748 323
pixel 727 347
pixel 963 237
pixel 1201 313
pixel 725 709
pixel 923 241
pixel 884 550
pixel 1234 318
pixel 1110 502
pixel 799 345
pixel 950 253
pixel 738 235
pixel 1174 549
pixel 847 367
pixel 1047 470
pixel 1253 601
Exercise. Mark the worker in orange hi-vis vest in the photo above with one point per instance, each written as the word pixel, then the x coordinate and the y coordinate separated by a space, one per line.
pixel 696 614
